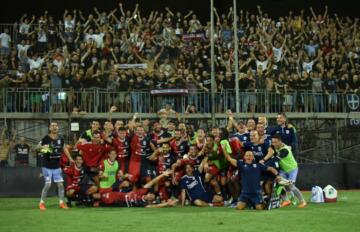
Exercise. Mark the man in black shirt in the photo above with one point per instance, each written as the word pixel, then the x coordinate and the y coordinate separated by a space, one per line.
pixel 330 87
pixel 229 85
pixel 52 146
pixel 22 151
pixel 123 89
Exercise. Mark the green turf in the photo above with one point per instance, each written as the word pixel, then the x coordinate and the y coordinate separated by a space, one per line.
pixel 21 214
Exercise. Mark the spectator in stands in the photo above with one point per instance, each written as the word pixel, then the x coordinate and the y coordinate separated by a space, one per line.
pixel 5 146
pixel 5 43
pixel 174 52
pixel 22 152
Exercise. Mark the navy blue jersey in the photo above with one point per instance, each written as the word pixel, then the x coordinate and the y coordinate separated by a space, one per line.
pixel 273 162
pixel 51 157
pixel 259 150
pixel 288 135
pixel 194 187
pixel 267 139
pixel 164 162
pixel 242 137
pixel 156 137
pixel 250 176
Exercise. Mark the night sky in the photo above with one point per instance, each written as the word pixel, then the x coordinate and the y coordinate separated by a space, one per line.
pixel 200 7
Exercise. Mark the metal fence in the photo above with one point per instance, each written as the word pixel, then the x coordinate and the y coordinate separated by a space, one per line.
pixel 99 101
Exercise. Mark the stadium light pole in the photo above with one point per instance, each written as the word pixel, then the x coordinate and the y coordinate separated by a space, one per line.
pixel 212 59
pixel 236 58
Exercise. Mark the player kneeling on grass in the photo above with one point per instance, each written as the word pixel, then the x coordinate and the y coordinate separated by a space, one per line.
pixel 78 188
pixel 250 172
pixel 289 170
pixel 109 173
pixel 192 185
pixel 141 197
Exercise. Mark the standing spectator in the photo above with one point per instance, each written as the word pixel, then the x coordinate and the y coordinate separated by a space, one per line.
pixel 42 39
pixel 317 90
pixel 5 43
pixel 24 29
pixel 354 84
pixel 248 82
pixel 22 151
pixel 330 87
pixel 23 48
pixel 5 147
pixel 228 85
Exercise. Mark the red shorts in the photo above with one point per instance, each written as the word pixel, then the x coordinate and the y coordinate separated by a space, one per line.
pixel 105 190
pixel 179 175
pixel 213 170
pixel 73 187
pixel 163 194
pixel 109 198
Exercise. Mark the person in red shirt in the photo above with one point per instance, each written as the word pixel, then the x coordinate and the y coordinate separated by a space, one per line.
pixel 93 153
pixel 64 160
pixel 75 190
pixel 159 136
pixel 164 159
pixel 140 167
pixel 200 141
pixel 192 157
pixel 121 144
pixel 141 197
pixel 179 145
pixel 108 133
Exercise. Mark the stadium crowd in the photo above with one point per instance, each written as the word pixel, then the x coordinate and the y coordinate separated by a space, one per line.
pixel 139 163
pixel 124 51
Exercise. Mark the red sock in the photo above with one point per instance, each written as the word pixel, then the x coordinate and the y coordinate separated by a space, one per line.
pixel 218 204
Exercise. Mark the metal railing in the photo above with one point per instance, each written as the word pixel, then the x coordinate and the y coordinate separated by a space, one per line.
pixel 95 100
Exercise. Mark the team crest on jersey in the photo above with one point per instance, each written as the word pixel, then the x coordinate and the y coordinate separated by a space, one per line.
pixel 254 165
pixel 144 143
pixel 58 141
pixel 287 132
pixel 259 148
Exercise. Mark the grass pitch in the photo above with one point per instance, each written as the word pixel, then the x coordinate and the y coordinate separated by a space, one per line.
pixel 22 214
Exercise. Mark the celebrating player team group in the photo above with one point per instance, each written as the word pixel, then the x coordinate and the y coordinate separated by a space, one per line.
pixel 169 163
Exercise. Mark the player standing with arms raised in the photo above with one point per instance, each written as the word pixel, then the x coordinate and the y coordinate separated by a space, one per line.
pixel 51 146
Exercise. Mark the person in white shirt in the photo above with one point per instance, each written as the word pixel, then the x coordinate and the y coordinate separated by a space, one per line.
pixel 22 48
pixel 99 39
pixel 5 41
pixel 24 28
pixel 261 63
pixel 278 50
pixel 69 21
pixel 307 64
pixel 36 62
pixel 42 40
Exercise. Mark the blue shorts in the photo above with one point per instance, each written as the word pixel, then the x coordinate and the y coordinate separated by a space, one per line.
pixel 52 174
pixel 290 175
pixel 251 199
pixel 207 197
pixel 332 98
